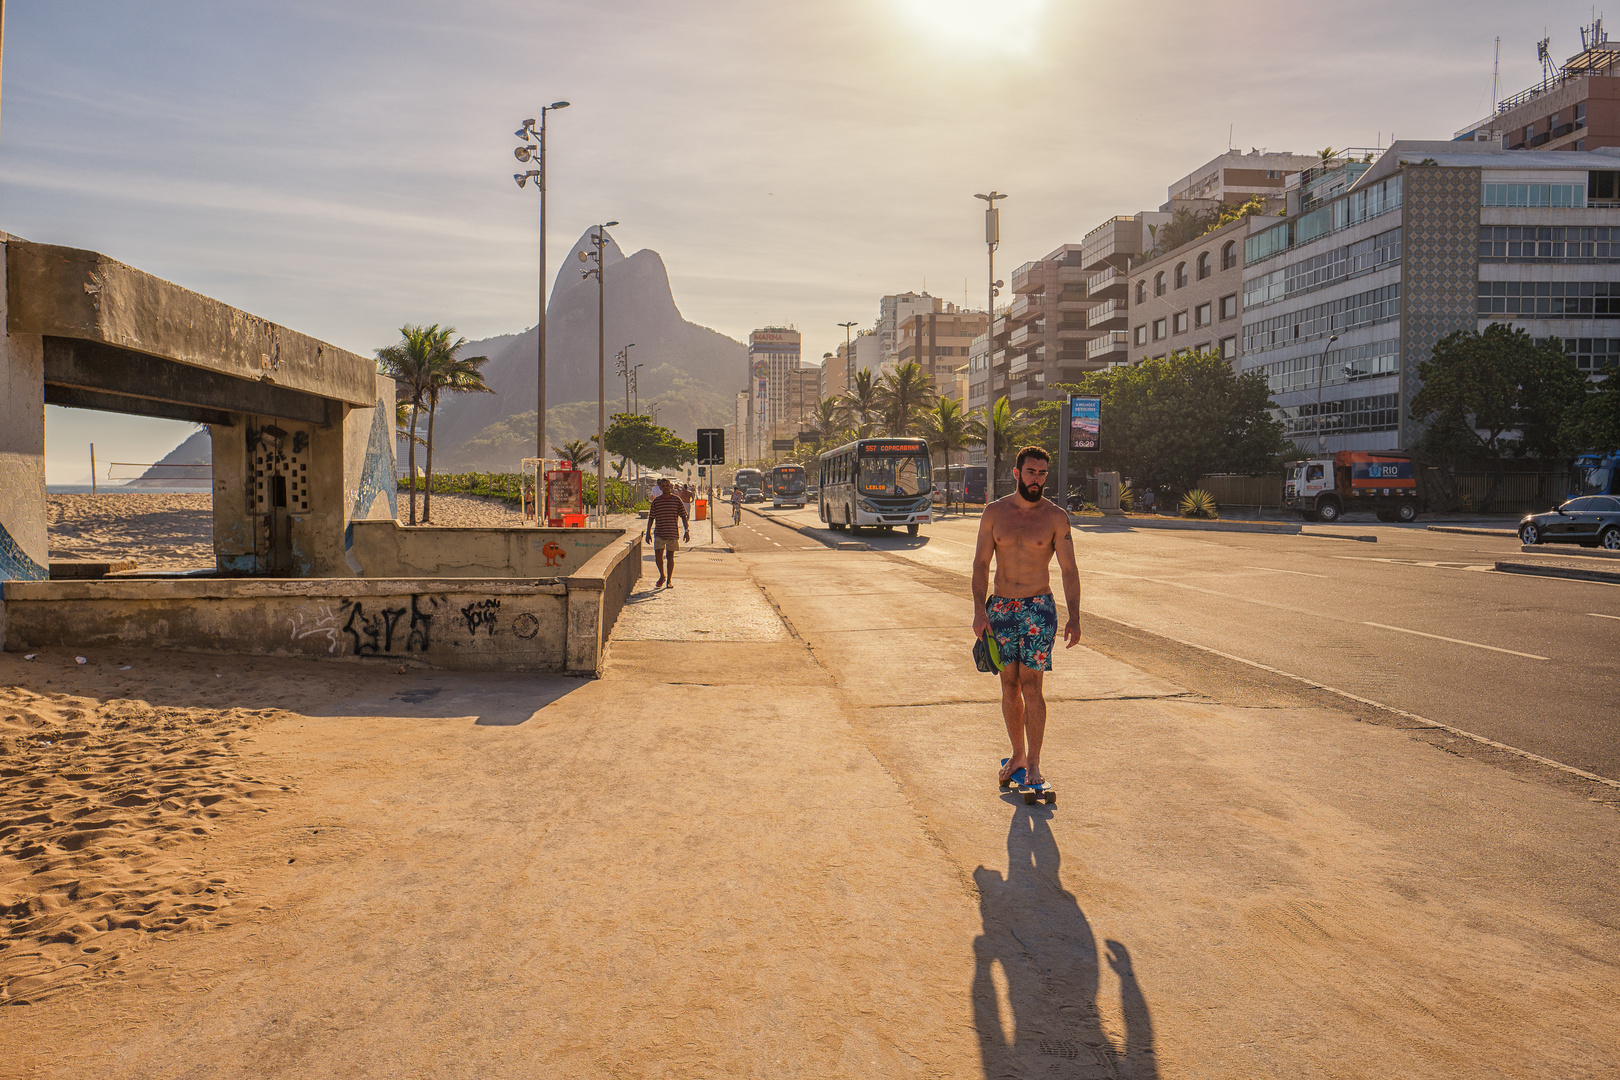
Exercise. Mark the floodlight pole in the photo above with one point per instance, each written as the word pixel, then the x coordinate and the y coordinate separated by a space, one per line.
pixel 849 357
pixel 992 240
pixel 1321 377
pixel 528 129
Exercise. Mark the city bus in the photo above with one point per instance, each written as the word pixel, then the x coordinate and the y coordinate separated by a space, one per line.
pixel 964 483
pixel 752 481
pixel 876 483
pixel 787 486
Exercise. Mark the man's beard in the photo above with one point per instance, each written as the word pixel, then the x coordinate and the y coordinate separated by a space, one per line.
pixel 1030 494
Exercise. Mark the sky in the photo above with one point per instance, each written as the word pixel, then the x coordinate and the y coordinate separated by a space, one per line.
pixel 344 167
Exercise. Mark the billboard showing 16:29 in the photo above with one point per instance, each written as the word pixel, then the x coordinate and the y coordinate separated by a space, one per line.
pixel 1085 415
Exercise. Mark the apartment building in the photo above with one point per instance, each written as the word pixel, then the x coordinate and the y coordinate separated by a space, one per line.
pixel 939 342
pixel 1189 298
pixel 773 353
pixel 1344 298
pixel 1576 106
pixel 893 311
pixel 1235 177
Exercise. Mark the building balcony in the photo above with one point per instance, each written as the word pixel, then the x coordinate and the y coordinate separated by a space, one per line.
pixel 1072 275
pixel 1111 283
pixel 1026 305
pixel 1021 277
pixel 1069 328
pixel 1110 315
pixel 1111 346
pixel 1027 334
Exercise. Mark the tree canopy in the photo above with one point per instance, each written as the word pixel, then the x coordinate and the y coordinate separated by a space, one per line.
pixel 635 437
pixel 1596 424
pixel 1498 394
pixel 1165 423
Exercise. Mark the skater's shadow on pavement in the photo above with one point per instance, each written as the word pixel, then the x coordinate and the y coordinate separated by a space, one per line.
pixel 1036 971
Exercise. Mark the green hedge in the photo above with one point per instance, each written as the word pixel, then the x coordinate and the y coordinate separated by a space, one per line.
pixel 508 487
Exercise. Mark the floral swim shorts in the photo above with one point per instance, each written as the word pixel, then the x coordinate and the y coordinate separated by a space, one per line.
pixel 1025 628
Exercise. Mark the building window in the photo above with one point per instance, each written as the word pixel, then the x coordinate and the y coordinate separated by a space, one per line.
pixel 1580 144
pixel 1201 315
pixel 1141 292
pixel 1593 354
pixel 1550 299
pixel 1228 348
pixel 1158 329
pixel 1580 114
pixel 1181 275
pixel 1551 195
pixel 1603 184
pixel 1158 283
pixel 1229 306
pixel 1141 335
pixel 1553 122
pixel 1180 318
pixel 1203 265
pixel 1229 255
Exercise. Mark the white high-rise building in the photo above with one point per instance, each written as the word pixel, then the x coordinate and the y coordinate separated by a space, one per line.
pixel 773 352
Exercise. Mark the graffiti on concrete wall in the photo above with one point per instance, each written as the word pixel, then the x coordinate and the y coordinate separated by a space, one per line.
pixel 384 630
pixel 481 614
pixel 317 621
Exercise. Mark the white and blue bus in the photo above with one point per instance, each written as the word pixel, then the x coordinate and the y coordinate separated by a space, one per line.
pixel 877 483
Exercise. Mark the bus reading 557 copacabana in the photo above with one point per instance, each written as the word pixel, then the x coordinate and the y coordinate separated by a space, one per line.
pixel 876 483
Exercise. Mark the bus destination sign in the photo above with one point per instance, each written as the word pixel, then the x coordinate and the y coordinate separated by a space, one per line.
pixel 892 448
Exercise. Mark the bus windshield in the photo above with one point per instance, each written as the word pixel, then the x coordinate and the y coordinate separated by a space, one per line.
pixel 787 479
pixel 895 475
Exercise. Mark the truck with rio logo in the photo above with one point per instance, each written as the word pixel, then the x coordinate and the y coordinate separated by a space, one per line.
pixel 1387 482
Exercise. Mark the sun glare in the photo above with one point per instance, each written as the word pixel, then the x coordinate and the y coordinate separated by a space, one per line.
pixel 1010 26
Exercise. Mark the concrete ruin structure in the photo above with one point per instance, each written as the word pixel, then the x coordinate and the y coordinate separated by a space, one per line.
pixel 303 493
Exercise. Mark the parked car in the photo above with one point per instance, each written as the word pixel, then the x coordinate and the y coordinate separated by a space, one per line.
pixel 1591 521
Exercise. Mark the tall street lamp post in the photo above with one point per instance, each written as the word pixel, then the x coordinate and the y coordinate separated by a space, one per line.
pixel 598 241
pixel 1321 377
pixel 992 240
pixel 849 357
pixel 623 368
pixel 537 152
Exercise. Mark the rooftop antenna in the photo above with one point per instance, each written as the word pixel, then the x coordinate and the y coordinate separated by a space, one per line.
pixel 1496 73
pixel 1544 54
pixel 1229 129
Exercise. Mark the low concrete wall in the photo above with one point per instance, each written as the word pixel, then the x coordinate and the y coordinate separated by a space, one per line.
pixel 385 549
pixel 481 624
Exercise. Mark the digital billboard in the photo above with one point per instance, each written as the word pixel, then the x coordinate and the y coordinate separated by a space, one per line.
pixel 1085 424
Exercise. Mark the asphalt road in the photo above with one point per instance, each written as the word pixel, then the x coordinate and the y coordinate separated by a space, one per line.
pixel 1418 620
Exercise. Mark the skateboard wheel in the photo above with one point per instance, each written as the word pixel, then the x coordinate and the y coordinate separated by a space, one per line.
pixel 1051 798
pixel 1029 798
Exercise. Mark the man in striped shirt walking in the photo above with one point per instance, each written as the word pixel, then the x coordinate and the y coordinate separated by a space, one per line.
pixel 667 507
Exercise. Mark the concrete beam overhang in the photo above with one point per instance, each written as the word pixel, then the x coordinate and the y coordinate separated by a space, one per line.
pixel 72 293
pixel 132 382
pixel 74 398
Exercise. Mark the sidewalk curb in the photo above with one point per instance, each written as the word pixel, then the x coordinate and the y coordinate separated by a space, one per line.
pixel 832 539
pixel 1578 573
pixel 1343 536
pixel 1470 531
pixel 1578 551
pixel 1280 527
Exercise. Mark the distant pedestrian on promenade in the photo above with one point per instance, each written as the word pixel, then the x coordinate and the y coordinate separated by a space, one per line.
pixel 1023 531
pixel 667 508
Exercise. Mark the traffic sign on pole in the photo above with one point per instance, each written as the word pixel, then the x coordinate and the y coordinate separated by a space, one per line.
pixel 711 444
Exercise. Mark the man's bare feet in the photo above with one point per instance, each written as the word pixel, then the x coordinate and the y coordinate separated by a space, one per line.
pixel 1032 775
pixel 1012 766
pixel 659 584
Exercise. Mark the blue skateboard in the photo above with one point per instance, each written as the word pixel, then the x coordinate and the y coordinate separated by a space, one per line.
pixel 1042 792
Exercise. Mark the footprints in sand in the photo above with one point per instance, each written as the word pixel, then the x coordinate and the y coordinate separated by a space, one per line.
pixel 103 810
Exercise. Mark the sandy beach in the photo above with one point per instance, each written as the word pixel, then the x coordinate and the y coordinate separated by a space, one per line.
pixel 175 530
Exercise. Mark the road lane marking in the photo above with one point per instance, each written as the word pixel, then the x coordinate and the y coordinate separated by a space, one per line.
pixel 1275 570
pixel 1455 641
pixel 1595 615
pixel 1301 611
pixel 1422 720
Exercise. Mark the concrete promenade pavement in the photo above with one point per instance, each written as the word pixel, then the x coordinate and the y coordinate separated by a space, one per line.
pixel 768 842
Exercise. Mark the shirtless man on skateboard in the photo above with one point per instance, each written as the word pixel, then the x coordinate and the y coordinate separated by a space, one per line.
pixel 1023 531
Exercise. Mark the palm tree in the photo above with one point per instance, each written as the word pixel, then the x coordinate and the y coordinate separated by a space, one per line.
pixel 410 364
pixel 861 402
pixel 452 374
pixel 1009 427
pixel 405 422
pixel 902 396
pixel 576 452
pixel 948 429
pixel 829 420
